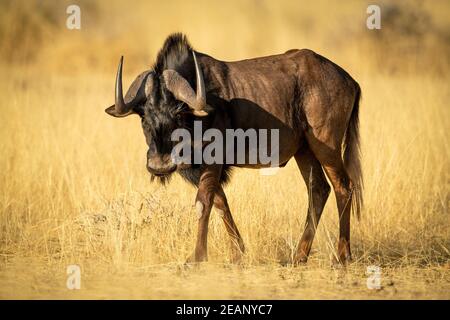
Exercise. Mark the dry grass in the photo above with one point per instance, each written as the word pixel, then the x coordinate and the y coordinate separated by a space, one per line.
pixel 74 189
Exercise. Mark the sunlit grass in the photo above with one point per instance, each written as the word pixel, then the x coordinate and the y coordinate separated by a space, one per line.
pixel 74 189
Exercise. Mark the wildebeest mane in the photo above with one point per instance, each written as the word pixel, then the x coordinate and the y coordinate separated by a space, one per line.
pixel 175 54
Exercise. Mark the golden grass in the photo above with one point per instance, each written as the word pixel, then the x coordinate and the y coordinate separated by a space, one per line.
pixel 74 189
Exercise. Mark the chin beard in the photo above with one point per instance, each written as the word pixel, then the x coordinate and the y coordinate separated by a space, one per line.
pixel 161 179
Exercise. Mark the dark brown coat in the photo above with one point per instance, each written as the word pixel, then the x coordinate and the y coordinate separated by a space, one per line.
pixel 312 101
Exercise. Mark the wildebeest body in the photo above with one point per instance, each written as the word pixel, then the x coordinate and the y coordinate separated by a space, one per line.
pixel 311 101
pixel 294 92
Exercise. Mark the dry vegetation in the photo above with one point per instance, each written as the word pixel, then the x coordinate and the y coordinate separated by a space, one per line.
pixel 74 189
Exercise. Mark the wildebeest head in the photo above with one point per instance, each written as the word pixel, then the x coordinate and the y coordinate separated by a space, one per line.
pixel 165 101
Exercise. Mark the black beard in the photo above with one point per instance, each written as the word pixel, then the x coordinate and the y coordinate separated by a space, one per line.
pixel 163 180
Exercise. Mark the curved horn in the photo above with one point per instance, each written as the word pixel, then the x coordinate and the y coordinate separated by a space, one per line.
pixel 182 90
pixel 139 89
pixel 201 92
pixel 121 106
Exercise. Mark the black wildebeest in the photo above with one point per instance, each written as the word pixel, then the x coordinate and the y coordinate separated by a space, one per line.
pixel 311 101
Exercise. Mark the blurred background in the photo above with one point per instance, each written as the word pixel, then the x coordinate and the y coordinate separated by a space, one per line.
pixel 415 35
pixel 73 183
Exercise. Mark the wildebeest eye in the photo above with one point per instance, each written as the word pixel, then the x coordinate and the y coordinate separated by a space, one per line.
pixel 139 110
pixel 152 146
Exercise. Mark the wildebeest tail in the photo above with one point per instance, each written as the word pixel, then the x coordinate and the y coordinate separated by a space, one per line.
pixel 352 156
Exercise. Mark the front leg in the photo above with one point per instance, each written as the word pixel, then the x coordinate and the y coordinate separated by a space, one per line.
pixel 221 205
pixel 207 187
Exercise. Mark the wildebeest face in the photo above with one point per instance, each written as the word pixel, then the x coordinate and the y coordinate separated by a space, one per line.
pixel 165 103
pixel 158 123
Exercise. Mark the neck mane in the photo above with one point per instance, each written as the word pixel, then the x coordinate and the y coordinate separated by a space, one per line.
pixel 174 53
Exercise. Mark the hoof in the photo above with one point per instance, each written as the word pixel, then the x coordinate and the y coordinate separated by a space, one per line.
pixel 237 251
pixel 344 253
pixel 343 260
pixel 236 257
pixel 300 260
pixel 196 258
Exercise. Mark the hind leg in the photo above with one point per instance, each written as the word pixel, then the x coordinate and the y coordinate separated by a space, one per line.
pixel 332 162
pixel 318 191
pixel 343 190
